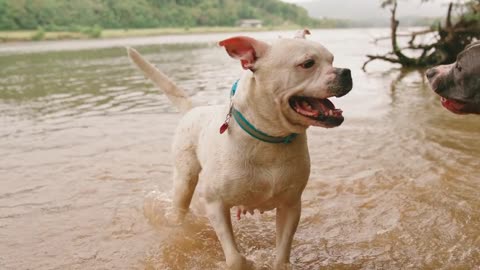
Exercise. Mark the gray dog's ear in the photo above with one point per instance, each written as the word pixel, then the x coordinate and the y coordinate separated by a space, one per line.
pixel 302 33
pixel 473 44
pixel 246 49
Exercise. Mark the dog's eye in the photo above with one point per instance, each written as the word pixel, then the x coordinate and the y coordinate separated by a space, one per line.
pixel 458 67
pixel 308 64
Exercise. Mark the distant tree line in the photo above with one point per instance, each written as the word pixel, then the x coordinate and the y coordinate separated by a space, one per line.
pixel 123 14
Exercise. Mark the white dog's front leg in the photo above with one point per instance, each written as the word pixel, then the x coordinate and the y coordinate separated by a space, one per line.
pixel 219 217
pixel 287 221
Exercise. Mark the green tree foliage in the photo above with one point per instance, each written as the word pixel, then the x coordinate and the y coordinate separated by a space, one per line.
pixel 70 14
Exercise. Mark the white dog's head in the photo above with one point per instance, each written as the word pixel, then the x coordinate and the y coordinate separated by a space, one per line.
pixel 298 75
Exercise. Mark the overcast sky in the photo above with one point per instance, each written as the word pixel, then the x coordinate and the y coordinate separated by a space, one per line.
pixel 366 9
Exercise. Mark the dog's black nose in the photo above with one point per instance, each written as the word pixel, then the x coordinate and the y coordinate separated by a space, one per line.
pixel 430 73
pixel 345 73
pixel 344 77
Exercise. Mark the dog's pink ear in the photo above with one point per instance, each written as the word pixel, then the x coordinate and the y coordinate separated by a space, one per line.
pixel 246 49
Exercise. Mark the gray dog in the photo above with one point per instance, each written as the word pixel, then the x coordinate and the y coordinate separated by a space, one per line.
pixel 458 84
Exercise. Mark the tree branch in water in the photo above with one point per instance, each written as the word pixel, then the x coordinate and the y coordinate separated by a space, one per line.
pixel 448 41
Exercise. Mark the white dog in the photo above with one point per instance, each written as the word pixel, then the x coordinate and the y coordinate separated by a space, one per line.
pixel 259 159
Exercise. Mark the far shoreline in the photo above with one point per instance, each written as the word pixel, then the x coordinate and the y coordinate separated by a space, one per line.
pixel 32 35
pixel 147 37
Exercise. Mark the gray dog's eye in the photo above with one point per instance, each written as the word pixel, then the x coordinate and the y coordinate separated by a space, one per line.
pixel 308 64
pixel 458 67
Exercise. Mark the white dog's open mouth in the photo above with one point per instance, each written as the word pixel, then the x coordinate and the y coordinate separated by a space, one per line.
pixel 320 112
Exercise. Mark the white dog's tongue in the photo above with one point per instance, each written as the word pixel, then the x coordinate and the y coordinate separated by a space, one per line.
pixel 314 107
pixel 304 107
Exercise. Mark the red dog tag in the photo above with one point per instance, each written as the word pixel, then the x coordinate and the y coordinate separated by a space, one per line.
pixel 223 127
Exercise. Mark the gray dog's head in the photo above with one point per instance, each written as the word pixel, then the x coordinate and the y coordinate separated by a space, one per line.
pixel 458 84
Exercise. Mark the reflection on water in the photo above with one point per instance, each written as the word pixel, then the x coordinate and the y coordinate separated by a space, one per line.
pixel 86 169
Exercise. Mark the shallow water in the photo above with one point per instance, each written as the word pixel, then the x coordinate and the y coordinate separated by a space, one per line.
pixel 85 167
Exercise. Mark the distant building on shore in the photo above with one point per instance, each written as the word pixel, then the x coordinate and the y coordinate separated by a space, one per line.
pixel 250 23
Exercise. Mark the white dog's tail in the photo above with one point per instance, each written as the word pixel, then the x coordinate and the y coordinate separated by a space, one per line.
pixel 176 95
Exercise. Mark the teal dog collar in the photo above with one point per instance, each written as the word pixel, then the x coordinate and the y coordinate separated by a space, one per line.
pixel 248 127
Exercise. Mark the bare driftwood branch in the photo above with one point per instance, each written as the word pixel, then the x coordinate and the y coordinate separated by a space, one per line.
pixel 412 35
pixel 393 35
pixel 419 33
pixel 393 27
pixel 448 22
pixel 446 42
pixel 379 57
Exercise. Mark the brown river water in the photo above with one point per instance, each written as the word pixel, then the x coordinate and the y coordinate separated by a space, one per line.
pixel 86 169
